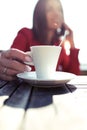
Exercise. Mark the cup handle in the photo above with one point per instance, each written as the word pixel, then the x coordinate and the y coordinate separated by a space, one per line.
pixel 31 62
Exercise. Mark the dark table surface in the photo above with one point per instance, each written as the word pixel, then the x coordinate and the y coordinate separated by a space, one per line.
pixel 34 107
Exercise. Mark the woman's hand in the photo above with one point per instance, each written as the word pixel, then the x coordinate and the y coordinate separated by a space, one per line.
pixel 69 37
pixel 12 63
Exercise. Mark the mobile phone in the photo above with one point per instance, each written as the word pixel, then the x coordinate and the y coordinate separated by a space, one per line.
pixel 61 30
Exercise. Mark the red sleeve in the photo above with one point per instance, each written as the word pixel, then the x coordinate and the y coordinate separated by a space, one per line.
pixel 69 63
pixel 74 65
pixel 21 41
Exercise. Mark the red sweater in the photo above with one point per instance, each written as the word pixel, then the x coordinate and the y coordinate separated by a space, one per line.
pixel 66 63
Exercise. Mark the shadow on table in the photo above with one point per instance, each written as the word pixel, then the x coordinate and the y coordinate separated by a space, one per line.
pixel 23 95
pixel 43 96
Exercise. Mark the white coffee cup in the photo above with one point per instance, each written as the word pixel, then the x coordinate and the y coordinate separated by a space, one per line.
pixel 45 59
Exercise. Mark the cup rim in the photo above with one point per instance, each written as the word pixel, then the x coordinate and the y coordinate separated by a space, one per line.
pixel 40 46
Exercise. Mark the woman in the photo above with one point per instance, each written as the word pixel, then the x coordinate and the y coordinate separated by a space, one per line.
pixel 47 19
pixel 48 27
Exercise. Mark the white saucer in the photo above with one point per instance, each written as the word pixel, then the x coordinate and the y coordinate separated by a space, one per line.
pixel 60 78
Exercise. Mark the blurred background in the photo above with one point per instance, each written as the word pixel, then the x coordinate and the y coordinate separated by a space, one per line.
pixel 15 14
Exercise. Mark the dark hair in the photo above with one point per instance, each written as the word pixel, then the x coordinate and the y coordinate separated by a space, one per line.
pixel 40 22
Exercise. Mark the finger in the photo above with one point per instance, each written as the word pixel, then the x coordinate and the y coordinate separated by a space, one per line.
pixel 16 54
pixel 7 78
pixel 15 65
pixel 11 72
pixel 65 25
pixel 8 74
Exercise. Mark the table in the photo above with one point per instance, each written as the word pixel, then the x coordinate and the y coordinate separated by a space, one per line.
pixel 28 107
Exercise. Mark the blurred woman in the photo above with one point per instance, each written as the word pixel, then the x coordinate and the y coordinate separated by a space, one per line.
pixel 48 28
